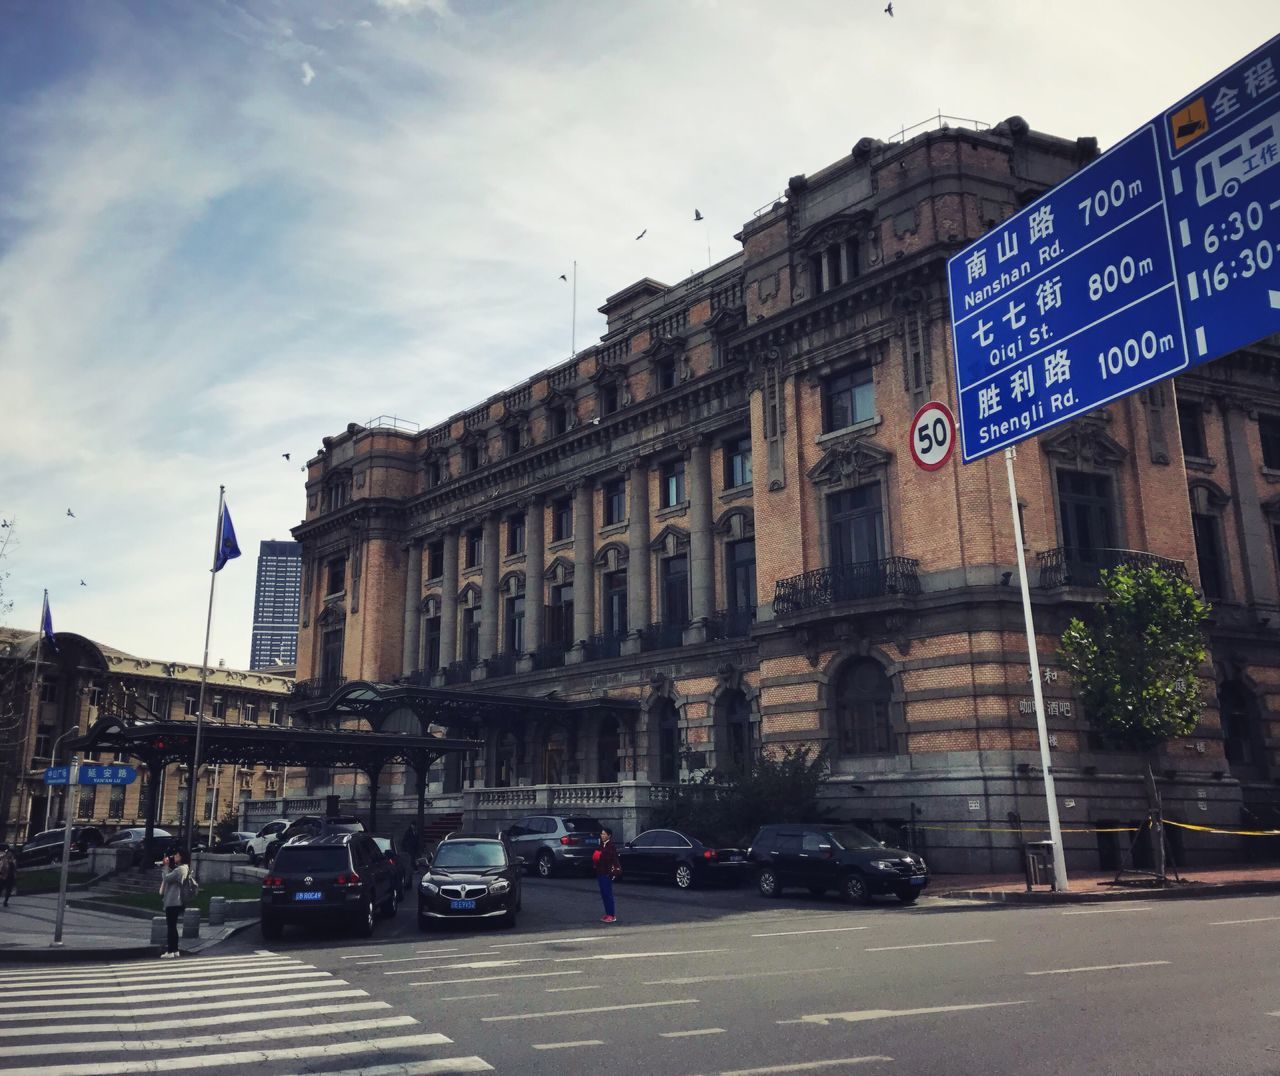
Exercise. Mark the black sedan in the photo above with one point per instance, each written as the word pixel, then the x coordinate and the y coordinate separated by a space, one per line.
pixel 470 878
pixel 678 857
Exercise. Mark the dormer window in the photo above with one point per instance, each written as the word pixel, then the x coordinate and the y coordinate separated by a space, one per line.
pixel 835 264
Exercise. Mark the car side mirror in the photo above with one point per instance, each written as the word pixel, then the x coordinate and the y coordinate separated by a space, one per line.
pixel 626 844
pixel 518 861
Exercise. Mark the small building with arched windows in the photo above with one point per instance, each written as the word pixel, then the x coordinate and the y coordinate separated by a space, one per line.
pixel 712 515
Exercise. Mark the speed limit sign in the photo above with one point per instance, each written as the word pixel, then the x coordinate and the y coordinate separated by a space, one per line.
pixel 933 435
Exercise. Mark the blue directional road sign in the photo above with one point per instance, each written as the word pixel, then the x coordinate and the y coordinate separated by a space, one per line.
pixel 1161 254
pixel 107 775
pixel 57 775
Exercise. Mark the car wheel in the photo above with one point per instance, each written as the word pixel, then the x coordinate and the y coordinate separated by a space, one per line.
pixel 272 928
pixel 855 889
pixel 684 876
pixel 767 879
pixel 364 921
pixel 546 864
pixel 253 858
pixel 908 896
pixel 391 905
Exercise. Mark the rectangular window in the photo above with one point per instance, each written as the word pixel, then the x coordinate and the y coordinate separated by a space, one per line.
pixel 1209 553
pixel 435 560
pixel 613 612
pixel 209 792
pixel 474 546
pixel 561 519
pixel 435 473
pixel 560 616
pixel 273 713
pixel 44 741
pixel 515 624
pixel 249 711
pixel 515 534
pixel 471 635
pixel 431 659
pixel 48 690
pixel 741 557
pixel 672 483
pixel 675 590
pixel 331 646
pixel 1191 428
pixel 848 398
pixel 115 808
pixel 737 462
pixel 615 501
pixel 609 398
pixel 153 704
pixel 96 692
pixel 1269 431
pixel 666 374
pixel 337 579
pixel 219 707
pixel 855 521
pixel 1085 509
pixel 190 705
pixel 557 420
pixel 88 801
pixel 511 440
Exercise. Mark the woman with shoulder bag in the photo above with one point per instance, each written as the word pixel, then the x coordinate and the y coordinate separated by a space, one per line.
pixel 172 877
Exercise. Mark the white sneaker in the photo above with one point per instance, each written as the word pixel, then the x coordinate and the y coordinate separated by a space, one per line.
pixel 165 956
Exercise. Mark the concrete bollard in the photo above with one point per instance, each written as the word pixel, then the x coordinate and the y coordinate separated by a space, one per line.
pixel 159 930
pixel 217 911
pixel 191 922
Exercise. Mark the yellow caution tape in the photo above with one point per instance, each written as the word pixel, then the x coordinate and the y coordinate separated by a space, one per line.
pixel 1024 829
pixel 1228 832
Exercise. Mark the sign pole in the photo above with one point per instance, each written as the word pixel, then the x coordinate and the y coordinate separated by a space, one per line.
pixel 72 778
pixel 1042 730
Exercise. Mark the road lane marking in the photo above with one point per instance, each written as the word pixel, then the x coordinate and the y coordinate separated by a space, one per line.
pixel 446 954
pixel 204 1006
pixel 468 997
pixel 98 969
pixel 285 978
pixel 862 1015
pixel 550 941
pixel 817 930
pixel 567 1045
pixel 495 978
pixel 169 995
pixel 360 956
pixel 1106 911
pixel 1101 967
pixel 231 1038
pixel 190 1021
pixel 1237 922
pixel 445 1066
pixel 584 1012
pixel 112 981
pixel 808 1066
pixel 192 1060
pixel 929 945
pixel 140 970
pixel 691 979
pixel 690 1034
pixel 568 989
pixel 633 956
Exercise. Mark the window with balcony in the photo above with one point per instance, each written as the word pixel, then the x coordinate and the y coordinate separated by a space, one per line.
pixel 1086 514
pixel 861 703
pixel 855 525
pixel 737 462
pixel 561 519
pixel 474 547
pixel 1191 429
pixel 740 559
pixel 435 559
pixel 613 603
pixel 674 580
pixel 515 534
pixel 671 475
pixel 1269 434
pixel 615 501
pixel 848 398
pixel 667 722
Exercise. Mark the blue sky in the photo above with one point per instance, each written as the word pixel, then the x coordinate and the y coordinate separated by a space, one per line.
pixel 229 229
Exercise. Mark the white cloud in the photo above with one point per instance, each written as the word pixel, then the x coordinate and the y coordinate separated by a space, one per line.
pixel 308 73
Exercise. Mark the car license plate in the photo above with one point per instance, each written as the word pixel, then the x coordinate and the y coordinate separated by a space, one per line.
pixel 917 881
pixel 463 905
pixel 735 859
pixel 308 895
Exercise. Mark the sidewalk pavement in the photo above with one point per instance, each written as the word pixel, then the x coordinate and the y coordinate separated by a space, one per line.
pixel 26 933
pixel 1086 887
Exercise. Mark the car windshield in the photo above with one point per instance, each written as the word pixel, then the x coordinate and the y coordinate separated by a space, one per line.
pixel 851 837
pixel 452 855
pixel 310 860
pixel 383 843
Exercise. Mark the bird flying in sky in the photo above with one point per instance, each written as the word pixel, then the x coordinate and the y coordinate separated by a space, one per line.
pixel 71 513
pixel 83 583
pixel 697 214
pixel 564 278
pixel 889 11
pixel 285 454
pixel 643 234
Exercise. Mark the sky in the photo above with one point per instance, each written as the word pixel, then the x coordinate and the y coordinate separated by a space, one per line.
pixel 228 229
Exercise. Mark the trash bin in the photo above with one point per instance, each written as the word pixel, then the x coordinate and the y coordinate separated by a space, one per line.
pixel 1039 861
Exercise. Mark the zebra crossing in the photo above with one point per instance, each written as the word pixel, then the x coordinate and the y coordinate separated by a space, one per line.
pixel 275 1013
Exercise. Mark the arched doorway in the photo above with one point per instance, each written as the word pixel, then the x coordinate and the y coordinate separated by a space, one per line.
pixel 861 709
pixel 608 741
pixel 665 722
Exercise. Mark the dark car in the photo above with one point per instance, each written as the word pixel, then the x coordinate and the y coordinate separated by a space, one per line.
pixel 678 857
pixel 312 825
pixel 470 878
pixel 46 847
pixel 134 838
pixel 840 857
pixel 403 868
pixel 553 843
pixel 335 876
pixel 231 843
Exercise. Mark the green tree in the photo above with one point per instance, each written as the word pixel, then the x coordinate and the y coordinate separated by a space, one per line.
pixel 1136 662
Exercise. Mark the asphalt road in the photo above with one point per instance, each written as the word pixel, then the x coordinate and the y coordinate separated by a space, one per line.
pixel 726 982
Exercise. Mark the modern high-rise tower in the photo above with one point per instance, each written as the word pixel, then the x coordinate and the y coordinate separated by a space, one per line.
pixel 275 605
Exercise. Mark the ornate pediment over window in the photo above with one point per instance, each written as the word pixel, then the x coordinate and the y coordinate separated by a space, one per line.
pixel 477 440
pixel 611 376
pixel 559 571
pixel 1208 496
pixel 668 348
pixel 430 605
pixel 612 556
pixel 670 540
pixel 512 584
pixel 333 615
pixel 736 524
pixel 836 230
pixel 516 423
pixel 1083 443
pixel 849 463
pixel 469 597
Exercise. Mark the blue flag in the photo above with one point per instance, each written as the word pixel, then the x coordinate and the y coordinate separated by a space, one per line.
pixel 46 625
pixel 227 548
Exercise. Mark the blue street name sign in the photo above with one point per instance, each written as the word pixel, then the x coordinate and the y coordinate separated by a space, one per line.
pixel 1161 254
pixel 107 775
pixel 57 775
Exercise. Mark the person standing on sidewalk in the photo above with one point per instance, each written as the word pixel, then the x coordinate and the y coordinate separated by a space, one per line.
pixel 8 872
pixel 173 874
pixel 608 870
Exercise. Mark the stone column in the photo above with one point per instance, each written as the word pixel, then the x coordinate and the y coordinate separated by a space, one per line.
pixel 534 584
pixel 449 601
pixel 583 568
pixel 701 553
pixel 412 614
pixel 637 556
pixel 489 611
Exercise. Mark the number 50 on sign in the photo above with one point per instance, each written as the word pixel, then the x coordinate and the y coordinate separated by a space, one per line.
pixel 933 435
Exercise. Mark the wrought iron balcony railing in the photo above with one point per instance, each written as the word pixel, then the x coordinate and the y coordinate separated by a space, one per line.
pixel 1066 567
pixel 599 647
pixel 662 636
pixel 550 656
pixel 320 688
pixel 846 582
pixel 458 672
pixel 503 664
pixel 731 623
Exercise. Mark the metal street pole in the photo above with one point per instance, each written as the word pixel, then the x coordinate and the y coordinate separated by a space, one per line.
pixel 73 778
pixel 1042 729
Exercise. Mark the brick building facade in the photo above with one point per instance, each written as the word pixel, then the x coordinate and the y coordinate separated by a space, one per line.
pixel 714 511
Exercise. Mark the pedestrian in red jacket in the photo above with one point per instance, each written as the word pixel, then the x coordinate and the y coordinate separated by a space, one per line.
pixel 608 868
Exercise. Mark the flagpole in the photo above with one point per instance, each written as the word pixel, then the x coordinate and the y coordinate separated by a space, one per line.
pixel 204 676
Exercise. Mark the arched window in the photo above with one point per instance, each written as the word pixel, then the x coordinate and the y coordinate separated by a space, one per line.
pixel 862 695
pixel 735 741
pixel 666 722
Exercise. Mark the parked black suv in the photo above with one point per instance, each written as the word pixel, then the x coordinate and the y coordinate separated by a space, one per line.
pixel 470 878
pixel 339 875
pixel 551 843
pixel 840 857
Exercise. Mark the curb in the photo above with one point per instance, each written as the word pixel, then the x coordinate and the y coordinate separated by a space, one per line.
pixel 67 955
pixel 1188 891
